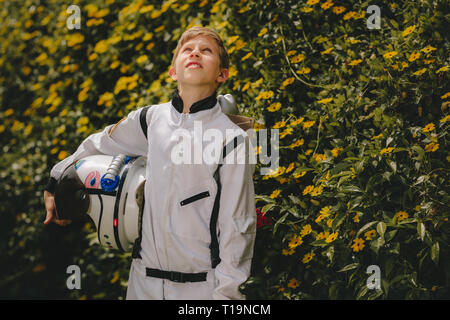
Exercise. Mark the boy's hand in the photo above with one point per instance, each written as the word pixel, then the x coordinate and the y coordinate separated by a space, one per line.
pixel 49 200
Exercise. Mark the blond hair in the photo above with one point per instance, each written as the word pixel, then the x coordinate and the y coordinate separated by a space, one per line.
pixel 198 31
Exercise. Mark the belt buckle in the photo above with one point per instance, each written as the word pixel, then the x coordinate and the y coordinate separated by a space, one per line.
pixel 176 277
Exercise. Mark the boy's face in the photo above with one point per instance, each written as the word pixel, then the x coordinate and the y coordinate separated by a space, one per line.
pixel 198 64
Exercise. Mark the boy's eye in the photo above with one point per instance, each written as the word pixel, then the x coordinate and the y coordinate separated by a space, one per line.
pixel 187 49
pixel 207 49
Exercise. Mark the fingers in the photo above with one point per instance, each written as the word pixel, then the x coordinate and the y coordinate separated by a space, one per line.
pixel 50 208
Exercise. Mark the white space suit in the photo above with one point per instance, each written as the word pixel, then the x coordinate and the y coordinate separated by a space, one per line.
pixel 175 258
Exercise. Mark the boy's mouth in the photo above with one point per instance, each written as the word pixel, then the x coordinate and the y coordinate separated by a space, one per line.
pixel 193 65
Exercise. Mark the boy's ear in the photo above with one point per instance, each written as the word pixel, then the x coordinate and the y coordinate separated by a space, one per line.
pixel 223 75
pixel 172 73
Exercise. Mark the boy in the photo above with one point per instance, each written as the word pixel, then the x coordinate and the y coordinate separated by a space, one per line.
pixel 178 256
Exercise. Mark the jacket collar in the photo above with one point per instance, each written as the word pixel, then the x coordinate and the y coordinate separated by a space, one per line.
pixel 204 104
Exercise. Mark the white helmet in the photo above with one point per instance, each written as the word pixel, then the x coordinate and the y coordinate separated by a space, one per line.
pixel 109 189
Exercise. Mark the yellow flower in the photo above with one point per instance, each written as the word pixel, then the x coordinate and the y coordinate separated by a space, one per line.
pixel 358 244
pixel 279 124
pixel 293 283
pixel 304 70
pixel 296 122
pixel 443 69
pixel 298 58
pixel 317 191
pixel 308 257
pixel 420 72
pixel 386 150
pixel 297 174
pixel 401 215
pixel 330 222
pixel 115 278
pixel 297 143
pixel 275 194
pixel 308 124
pixel 295 241
pixel 356 217
pixel 322 235
pixel 312 2
pixel 62 155
pixel 114 64
pixel 142 59
pixel 8 112
pixel 390 54
pixel 355 62
pixel 370 234
pixel 274 107
pixel 265 95
pixel 319 157
pixel 325 101
pixel 429 127
pixel 350 15
pixel 324 213
pixel 432 147
pixel 325 210
pixel 291 53
pixel 290 167
pixel 308 189
pixel 286 132
pixel 74 39
pixel 82 96
pixel 306 9
pixel 428 49
pixel 414 56
pixel 248 55
pixel 306 230
pixel 262 32
pixel 445 119
pixel 327 51
pixel 377 137
pixel 408 30
pixel 327 5
pixel 101 46
pixel 335 152
pixel 333 236
pixel 445 96
pixel 287 82
pixel 288 252
pixel 339 10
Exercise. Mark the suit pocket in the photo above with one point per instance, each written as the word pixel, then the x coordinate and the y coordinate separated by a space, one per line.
pixel 193 212
pixel 243 242
pixel 194 198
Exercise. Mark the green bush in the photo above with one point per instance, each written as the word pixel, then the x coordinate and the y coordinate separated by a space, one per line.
pixel 362 115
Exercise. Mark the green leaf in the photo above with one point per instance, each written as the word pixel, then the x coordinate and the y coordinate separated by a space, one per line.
pixel 350 189
pixel 350 266
pixel 381 228
pixel 435 252
pixel 268 207
pixel 420 151
pixel 281 220
pixel 338 220
pixel 377 244
pixel 421 229
pixel 365 227
pixel 294 199
pixel 393 166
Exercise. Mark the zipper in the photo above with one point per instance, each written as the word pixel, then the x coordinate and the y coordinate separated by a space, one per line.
pixel 196 197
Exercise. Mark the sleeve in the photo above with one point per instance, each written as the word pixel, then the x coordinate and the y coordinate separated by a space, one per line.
pixel 237 224
pixel 125 137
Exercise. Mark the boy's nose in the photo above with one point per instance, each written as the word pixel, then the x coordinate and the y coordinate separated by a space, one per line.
pixel 195 52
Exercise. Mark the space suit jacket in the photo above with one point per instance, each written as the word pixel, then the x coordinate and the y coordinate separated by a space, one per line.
pixel 179 197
